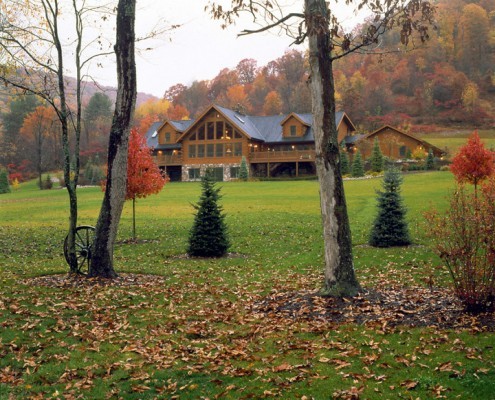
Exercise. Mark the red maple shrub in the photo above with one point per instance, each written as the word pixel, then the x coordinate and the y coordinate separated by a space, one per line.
pixel 464 238
pixel 143 175
pixel 473 163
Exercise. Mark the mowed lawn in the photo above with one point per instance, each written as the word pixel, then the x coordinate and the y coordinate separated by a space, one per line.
pixel 452 141
pixel 186 328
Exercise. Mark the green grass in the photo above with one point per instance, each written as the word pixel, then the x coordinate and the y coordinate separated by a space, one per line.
pixel 191 332
pixel 453 140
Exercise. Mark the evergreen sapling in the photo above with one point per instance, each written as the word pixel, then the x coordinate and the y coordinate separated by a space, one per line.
pixel 208 236
pixel 4 182
pixel 243 170
pixel 376 157
pixel 357 166
pixel 430 161
pixel 344 163
pixel 390 226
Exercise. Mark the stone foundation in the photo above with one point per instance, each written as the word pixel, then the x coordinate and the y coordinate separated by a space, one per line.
pixel 203 167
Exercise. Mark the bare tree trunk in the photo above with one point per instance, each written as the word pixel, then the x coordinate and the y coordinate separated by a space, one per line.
pixel 340 279
pixel 134 219
pixel 113 201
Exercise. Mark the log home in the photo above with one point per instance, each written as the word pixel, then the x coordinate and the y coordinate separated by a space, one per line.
pixel 278 145
pixel 220 137
pixel 395 144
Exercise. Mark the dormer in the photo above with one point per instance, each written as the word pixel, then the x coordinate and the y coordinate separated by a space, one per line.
pixel 293 126
pixel 168 134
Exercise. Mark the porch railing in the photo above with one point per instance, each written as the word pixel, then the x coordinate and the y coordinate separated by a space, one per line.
pixel 173 159
pixel 282 156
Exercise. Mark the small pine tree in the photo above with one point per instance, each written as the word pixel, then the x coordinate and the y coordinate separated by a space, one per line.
pixel 357 166
pixel 47 184
pixel 390 226
pixel 376 157
pixel 243 170
pixel 345 168
pixel 208 236
pixel 430 161
pixel 4 182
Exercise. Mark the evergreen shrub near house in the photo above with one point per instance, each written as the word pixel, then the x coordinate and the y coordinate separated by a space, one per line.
pixel 390 226
pixel 357 169
pixel 208 236
pixel 4 182
pixel 376 157
pixel 47 183
pixel 345 168
pixel 430 161
pixel 243 170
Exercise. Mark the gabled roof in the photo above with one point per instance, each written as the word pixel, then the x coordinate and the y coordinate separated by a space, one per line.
pixel 268 129
pixel 299 117
pixel 423 142
pixel 242 122
pixel 152 134
pixel 182 125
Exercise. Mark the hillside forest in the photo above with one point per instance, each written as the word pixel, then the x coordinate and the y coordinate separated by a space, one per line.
pixel 447 83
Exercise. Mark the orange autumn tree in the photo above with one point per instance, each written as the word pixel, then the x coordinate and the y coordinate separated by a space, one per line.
pixel 143 176
pixel 473 163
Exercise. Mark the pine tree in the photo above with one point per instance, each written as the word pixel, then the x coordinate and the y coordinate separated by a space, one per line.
pixel 243 170
pixel 4 182
pixel 376 157
pixel 430 161
pixel 208 236
pixel 345 168
pixel 357 166
pixel 390 227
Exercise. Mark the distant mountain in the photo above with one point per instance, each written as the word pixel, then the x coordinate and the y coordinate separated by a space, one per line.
pixel 89 89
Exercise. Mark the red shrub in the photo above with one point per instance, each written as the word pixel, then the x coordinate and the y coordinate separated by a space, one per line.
pixel 464 238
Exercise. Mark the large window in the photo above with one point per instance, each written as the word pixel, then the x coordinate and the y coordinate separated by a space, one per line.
pixel 237 149
pixel 217 139
pixel 194 174
pixel 192 151
pixel 234 172
pixel 167 137
pixel 293 130
pixel 219 150
pixel 210 150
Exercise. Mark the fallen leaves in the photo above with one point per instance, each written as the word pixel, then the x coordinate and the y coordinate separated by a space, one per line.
pixel 176 339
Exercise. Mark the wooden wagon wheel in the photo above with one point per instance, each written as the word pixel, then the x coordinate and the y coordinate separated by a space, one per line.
pixel 84 241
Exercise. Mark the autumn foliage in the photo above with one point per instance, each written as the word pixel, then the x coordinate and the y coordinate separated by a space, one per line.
pixel 143 175
pixel 473 163
pixel 464 238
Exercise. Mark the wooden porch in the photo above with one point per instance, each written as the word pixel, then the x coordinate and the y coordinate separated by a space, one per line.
pixel 168 159
pixel 282 156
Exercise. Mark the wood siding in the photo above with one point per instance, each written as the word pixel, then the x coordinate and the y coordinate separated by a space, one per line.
pixel 394 144
pixel 293 127
pixel 214 140
pixel 343 130
pixel 167 131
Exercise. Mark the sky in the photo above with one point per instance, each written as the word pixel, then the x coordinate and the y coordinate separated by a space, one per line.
pixel 200 48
